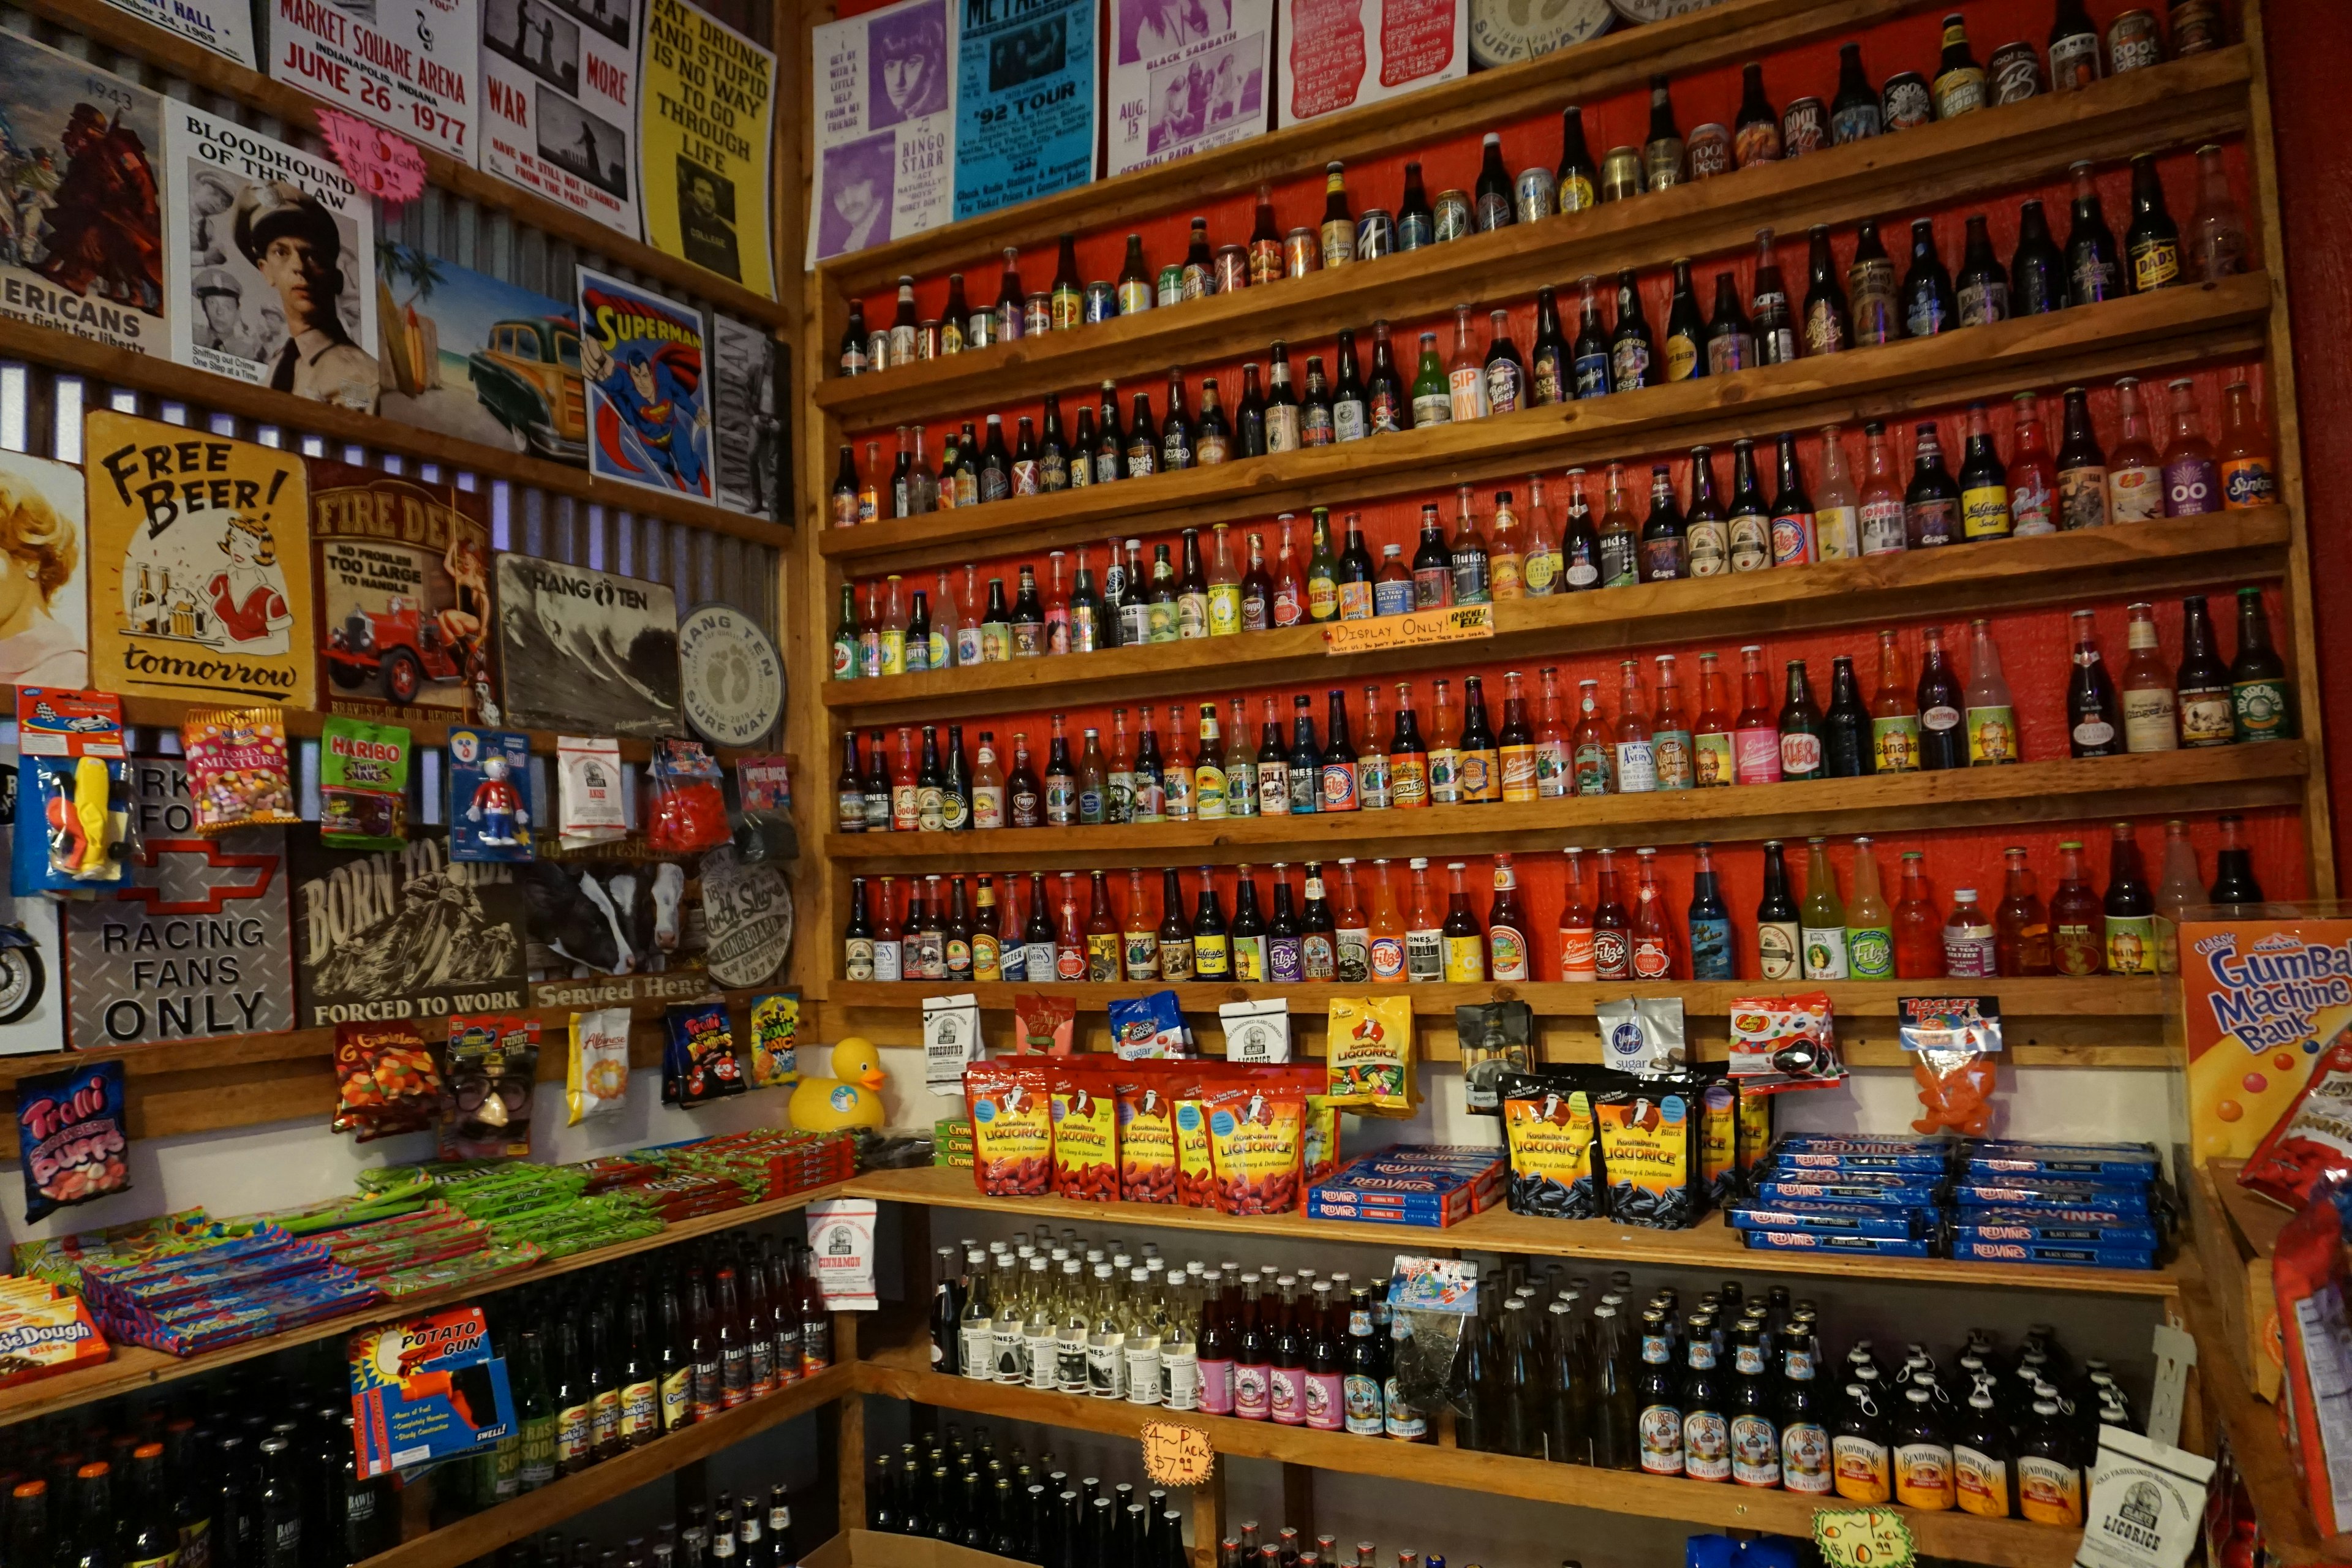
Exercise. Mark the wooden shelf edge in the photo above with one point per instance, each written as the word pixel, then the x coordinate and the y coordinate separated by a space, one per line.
pixel 163 378
pixel 2251 1427
pixel 2198 96
pixel 134 1367
pixel 478 1535
pixel 2139 330
pixel 1959 1537
pixel 191 61
pixel 2047 569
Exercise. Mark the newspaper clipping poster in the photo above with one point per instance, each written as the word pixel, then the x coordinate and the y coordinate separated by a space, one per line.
pixel 1186 75
pixel 82 216
pixel 406 63
pixel 746 435
pixel 560 102
pixel 272 271
pixel 224 27
pixel 1025 101
pixel 885 124
pixel 707 121
pixel 648 369
pixel 1337 53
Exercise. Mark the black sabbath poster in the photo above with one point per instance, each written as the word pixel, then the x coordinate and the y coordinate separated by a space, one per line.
pixel 586 651
pixel 403 584
pixel 390 934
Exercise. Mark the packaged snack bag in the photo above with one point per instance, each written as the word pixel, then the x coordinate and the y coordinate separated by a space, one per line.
pixel 1086 1136
pixel 1146 1142
pixel 1319 1154
pixel 1148 1027
pixel 73 830
pixel 1547 1125
pixel 386 1081
pixel 1649 1148
pixel 237 770
pixel 701 1064
pixel 589 789
pixel 72 1138
pixel 2312 1277
pixel 1785 1042
pixel 493 1063
pixel 1369 1054
pixel 1258 1138
pixel 775 1032
pixel 1951 1041
pixel 1045 1023
pixel 597 1076
pixel 1718 1139
pixel 1011 1128
pixel 362 784
pixel 2314 1139
pixel 1196 1167
pixel 1755 1127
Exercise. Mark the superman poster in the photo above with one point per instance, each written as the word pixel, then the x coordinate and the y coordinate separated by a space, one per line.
pixel 648 404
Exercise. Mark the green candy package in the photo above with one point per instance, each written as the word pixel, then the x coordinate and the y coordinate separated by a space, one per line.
pixel 362 784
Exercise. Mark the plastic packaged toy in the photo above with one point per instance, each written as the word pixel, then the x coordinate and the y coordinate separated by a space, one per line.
pixel 74 832
pixel 689 808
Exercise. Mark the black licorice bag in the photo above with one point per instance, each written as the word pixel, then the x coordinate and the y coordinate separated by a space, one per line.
pixel 1548 1127
pixel 1648 1130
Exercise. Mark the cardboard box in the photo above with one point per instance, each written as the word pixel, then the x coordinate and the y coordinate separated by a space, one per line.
pixel 2235 1232
pixel 872 1549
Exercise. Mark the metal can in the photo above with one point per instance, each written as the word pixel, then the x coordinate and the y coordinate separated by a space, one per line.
pixel 1375 234
pixel 1538 194
pixel 1907 101
pixel 1621 174
pixel 2197 27
pixel 1302 253
pixel 927 340
pixel 1708 151
pixel 1453 215
pixel 1171 285
pixel 2133 43
pixel 2015 74
pixel 1102 304
pixel 1337 237
pixel 1804 127
pixel 1265 263
pixel 1036 314
pixel 1232 269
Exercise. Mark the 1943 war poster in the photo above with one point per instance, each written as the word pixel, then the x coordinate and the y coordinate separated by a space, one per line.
pixel 1025 101
pixel 406 63
pixel 200 574
pixel 560 102
pixel 404 592
pixel 884 119
pixel 707 120
pixel 647 367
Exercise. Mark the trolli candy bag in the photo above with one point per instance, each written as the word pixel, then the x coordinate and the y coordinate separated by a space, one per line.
pixel 71 1137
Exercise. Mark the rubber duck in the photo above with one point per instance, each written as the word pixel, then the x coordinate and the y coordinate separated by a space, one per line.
pixel 852 1097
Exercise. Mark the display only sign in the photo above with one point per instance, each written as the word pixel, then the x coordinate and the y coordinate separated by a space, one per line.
pixel 2261 1000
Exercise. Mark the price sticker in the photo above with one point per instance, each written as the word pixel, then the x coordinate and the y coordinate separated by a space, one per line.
pixel 1419 628
pixel 1863 1538
pixel 1176 1455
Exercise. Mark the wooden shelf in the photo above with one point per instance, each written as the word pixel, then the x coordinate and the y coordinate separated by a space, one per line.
pixel 134 1367
pixel 152 374
pixel 1711 1245
pixel 2225 779
pixel 2251 1428
pixel 1994 575
pixel 1958 1537
pixel 2137 333
pixel 2183 103
pixel 478 1535
pixel 193 63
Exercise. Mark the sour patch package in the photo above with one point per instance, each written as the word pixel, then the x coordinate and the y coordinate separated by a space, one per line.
pixel 700 1063
pixel 73 812
pixel 490 795
pixel 71 1137
pixel 775 1033
pixel 362 784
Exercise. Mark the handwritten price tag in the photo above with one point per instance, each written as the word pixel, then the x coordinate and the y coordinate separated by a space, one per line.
pixel 382 164
pixel 1863 1538
pixel 1175 1454
pixel 1461 622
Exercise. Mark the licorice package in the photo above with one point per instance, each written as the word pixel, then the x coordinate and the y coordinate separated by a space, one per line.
pixel 1011 1128
pixel 1547 1125
pixel 1086 1134
pixel 1649 1136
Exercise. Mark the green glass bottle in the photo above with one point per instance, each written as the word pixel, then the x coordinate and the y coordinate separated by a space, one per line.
pixel 1433 395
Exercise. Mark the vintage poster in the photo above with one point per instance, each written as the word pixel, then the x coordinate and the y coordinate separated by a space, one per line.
pixel 1024 99
pixel 32 961
pixel 1186 77
pixel 406 64
pixel 198 946
pixel 271 265
pixel 747 390
pixel 560 102
pixel 199 565
pixel 2261 1000
pixel 885 127
pixel 706 127
pixel 647 367
pixel 473 357
pixel 586 651
pixel 404 571
pixel 387 935
pixel 81 210
pixel 1337 53
pixel 44 574
pixel 224 27
pixel 612 929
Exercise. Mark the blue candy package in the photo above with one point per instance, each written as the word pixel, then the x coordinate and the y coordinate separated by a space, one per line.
pixel 72 1138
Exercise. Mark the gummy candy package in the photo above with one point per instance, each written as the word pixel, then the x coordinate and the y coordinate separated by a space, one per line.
pixel 72 1138
pixel 237 768
pixel 700 1063
pixel 775 1030
pixel 386 1081
pixel 362 784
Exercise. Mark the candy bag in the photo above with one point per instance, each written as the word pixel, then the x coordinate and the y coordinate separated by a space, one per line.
pixel 237 770
pixel 1951 1041
pixel 1147 1028
pixel 1196 1166
pixel 1044 1023
pixel 387 1082
pixel 1258 1137
pixel 362 784
pixel 2314 1139
pixel 493 1063
pixel 589 787
pixel 1011 1128
pixel 701 1064
pixel 1649 1141
pixel 490 795
pixel 73 830
pixel 72 1138
pixel 1547 1125
pixel 1369 1054
pixel 689 808
pixel 1146 1142
pixel 596 1074
pixel 776 1031
pixel 1086 1136
pixel 1780 1043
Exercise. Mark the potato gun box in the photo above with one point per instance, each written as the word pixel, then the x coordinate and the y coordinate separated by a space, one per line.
pixel 427 1388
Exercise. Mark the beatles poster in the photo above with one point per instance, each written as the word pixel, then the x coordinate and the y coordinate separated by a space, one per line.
pixel 272 264
pixel 224 27
pixel 884 126
pixel 747 391
pixel 406 64
pixel 649 409
pixel 44 574
pixel 479 359
pixel 585 651
pixel 386 935
pixel 1337 53
pixel 403 594
pixel 560 102
pixel 1186 75
pixel 198 946
pixel 707 117
pixel 199 565
pixel 1025 101
pixel 82 213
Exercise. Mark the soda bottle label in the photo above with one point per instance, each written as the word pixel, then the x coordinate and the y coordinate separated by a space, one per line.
pixel 1670 750
pixel 1805 1458
pixel 1284 959
pixel 640 1411
pixel 1360 1395
pixel 1860 1468
pixel 2081 497
pixel 1869 951
pixel 1612 956
pixel 1216 1387
pixel 2131 945
pixel 1895 744
pixel 1465 959
pixel 1578 958
pixel 2154 265
pixel 1425 956
pixel 2030 507
pixel 1507 952
pixel 1933 522
pixel 1629 365
pixel 1825 952
pixel 1653 957
pixel 1592 769
pixel 1992 736
pixel 1777 950
pixel 1751 541
pixel 1981 1482
pixel 1968 952
pixel 2135 494
pixel 2049 1491
pixel 1711 949
pixel 1710 549
pixel 1800 756
pixel 2247 481
pixel 1756 754
pixel 2192 487
pixel 1445 777
pixel 1386 956
pixel 1179 1379
pixel 1755 1451
pixel 1287 1395
pixel 1883 530
pixel 1143 1372
pixel 1661 1432
pixel 1706 1447
pixel 1637 767
pixel 1253 1392
pixel 2258 710
pixel 1836 532
pixel 1340 787
pixel 1923 1475
pixel 1984 512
